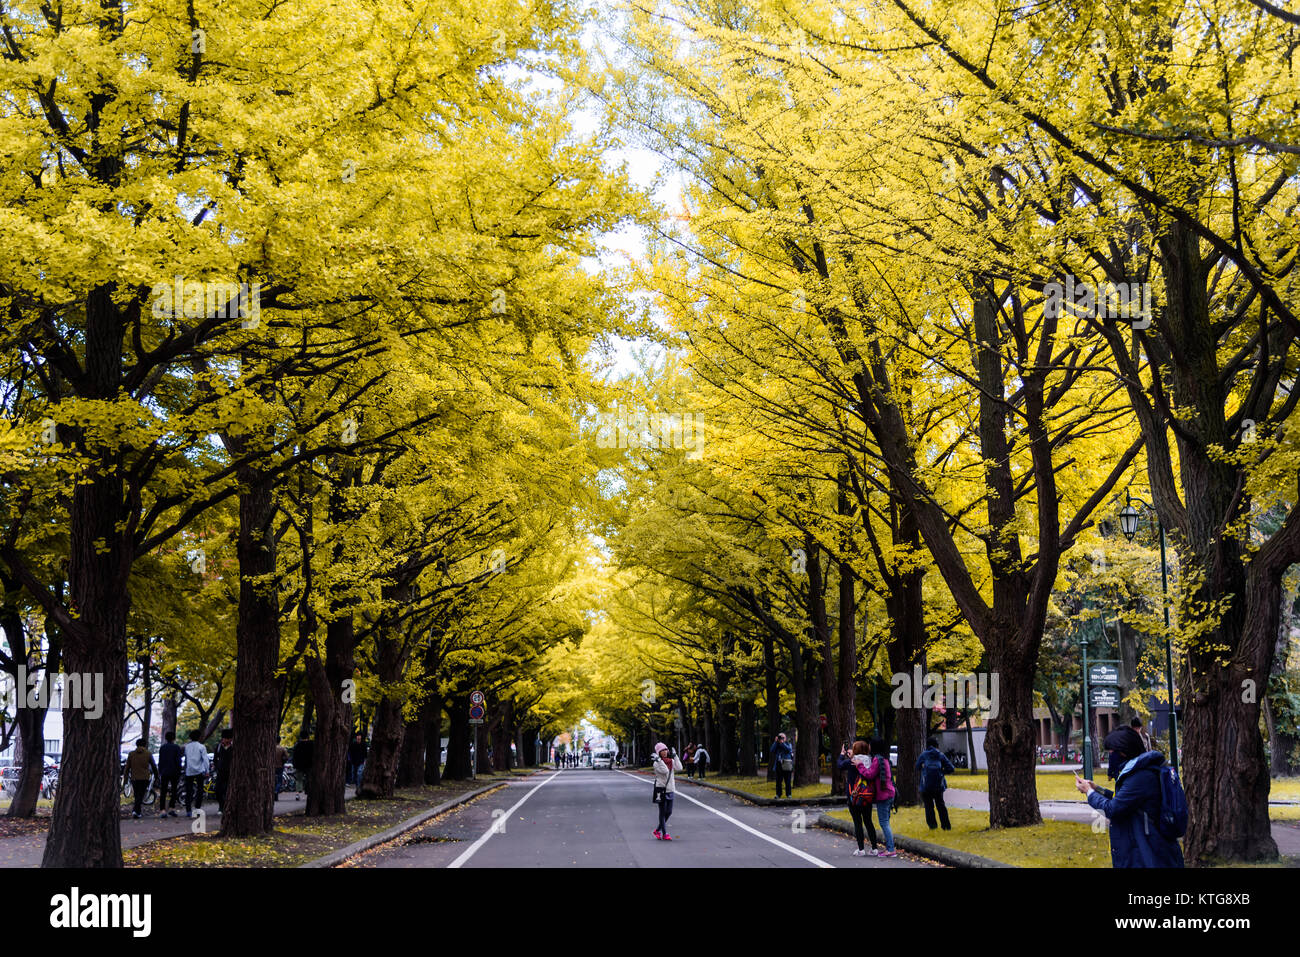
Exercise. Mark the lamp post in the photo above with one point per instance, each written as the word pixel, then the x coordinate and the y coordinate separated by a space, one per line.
pixel 1128 523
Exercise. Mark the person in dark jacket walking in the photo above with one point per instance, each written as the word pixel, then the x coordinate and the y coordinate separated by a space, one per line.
pixel 169 775
pixel 933 765
pixel 357 751
pixel 221 767
pixel 1134 808
pixel 139 770
pixel 783 764
pixel 861 793
pixel 303 755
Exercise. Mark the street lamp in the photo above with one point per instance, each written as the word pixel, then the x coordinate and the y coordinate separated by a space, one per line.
pixel 1128 523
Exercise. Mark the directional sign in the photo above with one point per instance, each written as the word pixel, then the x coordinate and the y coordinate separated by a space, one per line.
pixel 1103 674
pixel 476 698
pixel 1102 697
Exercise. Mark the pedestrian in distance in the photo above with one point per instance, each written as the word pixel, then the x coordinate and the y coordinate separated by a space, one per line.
pixel 783 764
pixel 196 770
pixel 303 755
pixel 357 751
pixel 221 767
pixel 1136 725
pixel 1147 812
pixel 169 775
pixel 140 769
pixel 689 755
pixel 281 759
pixel 881 772
pixel 701 761
pixel 933 765
pixel 861 792
pixel 665 764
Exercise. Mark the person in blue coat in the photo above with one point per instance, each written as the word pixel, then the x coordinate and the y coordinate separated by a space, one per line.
pixel 783 764
pixel 1133 810
pixel 933 765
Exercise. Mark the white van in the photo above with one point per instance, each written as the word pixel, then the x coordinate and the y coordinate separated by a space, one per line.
pixel 602 759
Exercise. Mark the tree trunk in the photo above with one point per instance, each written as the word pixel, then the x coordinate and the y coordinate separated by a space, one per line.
pixel 334 718
pixel 169 714
pixel 380 777
pixel 1009 741
pixel 724 759
pixel 433 741
pixel 906 605
pixel 31 742
pixel 748 761
pixel 772 695
pixel 459 736
pixel 250 797
pixel 86 828
pixel 411 756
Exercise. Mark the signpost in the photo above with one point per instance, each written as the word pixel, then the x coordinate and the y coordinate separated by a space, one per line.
pixel 476 713
pixel 1100 690
pixel 1103 697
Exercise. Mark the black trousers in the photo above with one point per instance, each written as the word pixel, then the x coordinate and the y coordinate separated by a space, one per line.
pixel 665 812
pixel 932 800
pixel 140 788
pixel 861 814
pixel 788 778
pixel 171 784
pixel 193 792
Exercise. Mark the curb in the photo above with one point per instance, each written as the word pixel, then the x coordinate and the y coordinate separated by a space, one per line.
pixel 829 801
pixel 937 852
pixel 335 858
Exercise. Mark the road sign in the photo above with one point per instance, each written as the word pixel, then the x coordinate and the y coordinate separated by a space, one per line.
pixel 476 698
pixel 476 713
pixel 1103 673
pixel 1103 697
pixel 823 722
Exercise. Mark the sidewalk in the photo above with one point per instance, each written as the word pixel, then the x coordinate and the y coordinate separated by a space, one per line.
pixel 26 850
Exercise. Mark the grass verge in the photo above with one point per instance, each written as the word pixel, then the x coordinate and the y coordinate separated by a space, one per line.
pixel 1050 844
pixel 761 787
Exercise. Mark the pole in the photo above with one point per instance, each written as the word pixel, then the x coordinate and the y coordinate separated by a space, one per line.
pixel 1169 654
pixel 1087 719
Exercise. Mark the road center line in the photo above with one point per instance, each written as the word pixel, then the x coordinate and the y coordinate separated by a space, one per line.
pixel 473 848
pixel 745 827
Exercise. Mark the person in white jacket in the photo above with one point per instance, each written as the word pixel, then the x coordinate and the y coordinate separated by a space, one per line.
pixel 196 770
pixel 665 763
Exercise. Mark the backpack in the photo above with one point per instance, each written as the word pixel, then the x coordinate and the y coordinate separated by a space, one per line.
pixel 861 790
pixel 1172 820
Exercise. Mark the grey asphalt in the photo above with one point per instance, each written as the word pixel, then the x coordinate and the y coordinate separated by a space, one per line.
pixel 587 818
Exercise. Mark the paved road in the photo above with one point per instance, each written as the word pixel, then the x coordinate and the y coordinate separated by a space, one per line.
pixel 586 818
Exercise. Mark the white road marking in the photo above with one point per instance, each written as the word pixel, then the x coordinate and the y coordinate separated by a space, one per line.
pixel 745 827
pixel 473 848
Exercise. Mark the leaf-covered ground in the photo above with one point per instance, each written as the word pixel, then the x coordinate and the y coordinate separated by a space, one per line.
pixel 296 839
pixel 761 787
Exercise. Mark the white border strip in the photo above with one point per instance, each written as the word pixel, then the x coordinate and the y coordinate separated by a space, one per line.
pixel 745 827
pixel 473 848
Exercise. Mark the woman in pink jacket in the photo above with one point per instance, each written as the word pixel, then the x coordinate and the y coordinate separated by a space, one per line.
pixel 882 772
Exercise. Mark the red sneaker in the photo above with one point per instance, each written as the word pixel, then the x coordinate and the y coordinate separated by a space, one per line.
pixel 667 837
pixel 657 834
